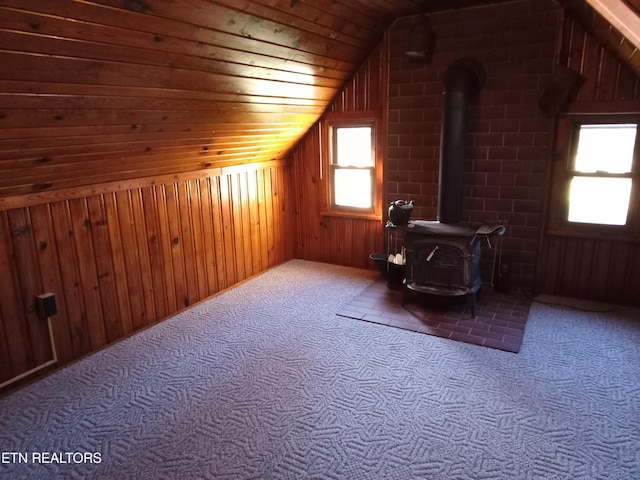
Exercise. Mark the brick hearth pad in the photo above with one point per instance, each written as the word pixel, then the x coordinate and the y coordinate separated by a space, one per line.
pixel 499 323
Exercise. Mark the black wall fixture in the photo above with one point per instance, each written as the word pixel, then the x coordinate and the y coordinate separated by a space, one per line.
pixel 421 41
pixel 463 80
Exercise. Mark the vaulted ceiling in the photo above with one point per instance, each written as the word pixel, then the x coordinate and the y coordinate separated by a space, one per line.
pixel 96 91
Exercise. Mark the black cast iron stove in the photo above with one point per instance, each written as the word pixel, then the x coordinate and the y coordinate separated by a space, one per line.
pixel 444 259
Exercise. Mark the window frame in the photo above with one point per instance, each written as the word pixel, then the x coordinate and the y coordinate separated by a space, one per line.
pixel 328 166
pixel 568 128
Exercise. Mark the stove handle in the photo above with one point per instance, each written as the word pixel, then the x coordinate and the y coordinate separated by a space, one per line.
pixel 430 256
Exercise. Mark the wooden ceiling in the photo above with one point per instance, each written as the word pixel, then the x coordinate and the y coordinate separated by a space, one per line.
pixel 95 91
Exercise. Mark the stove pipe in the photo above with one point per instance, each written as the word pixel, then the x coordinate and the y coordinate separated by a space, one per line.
pixel 463 79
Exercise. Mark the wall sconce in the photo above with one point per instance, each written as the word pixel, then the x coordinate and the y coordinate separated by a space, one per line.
pixel 421 40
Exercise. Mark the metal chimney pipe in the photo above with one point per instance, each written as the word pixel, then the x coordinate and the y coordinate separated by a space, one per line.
pixel 463 79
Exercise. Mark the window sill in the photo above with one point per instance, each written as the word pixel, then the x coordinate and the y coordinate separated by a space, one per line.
pixel 619 234
pixel 348 214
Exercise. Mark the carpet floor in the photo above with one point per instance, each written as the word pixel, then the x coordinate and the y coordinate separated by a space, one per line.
pixel 266 382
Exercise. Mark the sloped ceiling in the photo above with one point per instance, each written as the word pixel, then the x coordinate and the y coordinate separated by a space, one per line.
pixel 615 23
pixel 95 91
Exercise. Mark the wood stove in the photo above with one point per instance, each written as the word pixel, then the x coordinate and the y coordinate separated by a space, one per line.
pixel 442 259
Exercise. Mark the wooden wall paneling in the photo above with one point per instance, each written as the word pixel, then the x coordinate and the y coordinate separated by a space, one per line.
pixel 601 270
pixel 177 256
pixel 71 280
pixel 6 370
pixel 262 220
pixel 269 206
pixel 218 234
pixel 357 231
pixel 346 235
pixel 247 244
pixel 282 226
pixel 81 229
pixel 546 275
pixel 590 63
pixel 632 279
pixel 583 266
pixel 106 277
pixel 29 282
pixel 628 84
pixel 237 233
pixel 312 195
pixel 208 235
pixel 187 241
pixel 618 271
pixel 18 345
pixel 228 220
pixel 119 263
pixel 173 296
pixel 607 77
pixel 290 218
pixel 254 218
pixel 132 260
pixel 153 243
pixel 275 209
pixel 197 233
pixel 601 273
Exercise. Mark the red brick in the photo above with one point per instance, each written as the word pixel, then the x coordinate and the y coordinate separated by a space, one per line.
pixel 533 153
pixel 517 166
pixel 400 103
pixel 409 140
pixel 520 193
pixel 398 152
pixel 410 89
pixel 502 153
pixel 528 206
pixel 506 97
pixel 518 139
pixel 484 165
pixel 498 205
pixel 483 191
pixel 504 125
pixel 529 180
pixel 397 176
pixel 488 139
pixel 501 179
pixel 411 115
pixel 409 188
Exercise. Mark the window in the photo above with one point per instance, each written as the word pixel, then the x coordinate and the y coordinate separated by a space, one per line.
pixel 596 183
pixel 353 168
pixel 602 173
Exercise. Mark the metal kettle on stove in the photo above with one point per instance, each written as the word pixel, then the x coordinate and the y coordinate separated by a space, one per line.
pixel 400 212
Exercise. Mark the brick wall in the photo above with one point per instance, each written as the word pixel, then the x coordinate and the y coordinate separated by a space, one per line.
pixel 509 140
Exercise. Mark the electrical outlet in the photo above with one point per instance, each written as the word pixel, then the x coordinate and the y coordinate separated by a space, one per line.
pixel 47 306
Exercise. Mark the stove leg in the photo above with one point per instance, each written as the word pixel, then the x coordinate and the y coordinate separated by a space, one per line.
pixel 473 304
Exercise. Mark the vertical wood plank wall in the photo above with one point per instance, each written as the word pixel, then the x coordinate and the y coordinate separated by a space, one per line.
pixel 332 239
pixel 593 268
pixel 120 261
